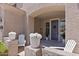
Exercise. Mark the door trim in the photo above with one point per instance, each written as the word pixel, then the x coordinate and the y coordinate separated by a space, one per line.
pixel 58 28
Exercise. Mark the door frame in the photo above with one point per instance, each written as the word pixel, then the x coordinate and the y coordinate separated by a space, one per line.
pixel 58 27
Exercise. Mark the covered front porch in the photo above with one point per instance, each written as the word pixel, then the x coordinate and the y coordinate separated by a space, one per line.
pixel 51 25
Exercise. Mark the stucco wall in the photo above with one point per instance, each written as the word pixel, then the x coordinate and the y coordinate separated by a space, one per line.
pixel 72 24
pixel 13 19
pixel 38 25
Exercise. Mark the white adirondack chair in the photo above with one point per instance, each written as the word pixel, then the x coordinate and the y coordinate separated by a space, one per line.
pixel 70 45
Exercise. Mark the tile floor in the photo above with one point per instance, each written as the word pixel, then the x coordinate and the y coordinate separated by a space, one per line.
pixel 52 43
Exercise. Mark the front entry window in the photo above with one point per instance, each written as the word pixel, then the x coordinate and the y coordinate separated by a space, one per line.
pixel 62 29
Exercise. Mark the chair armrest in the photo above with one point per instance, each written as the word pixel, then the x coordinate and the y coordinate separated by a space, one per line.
pixel 59 48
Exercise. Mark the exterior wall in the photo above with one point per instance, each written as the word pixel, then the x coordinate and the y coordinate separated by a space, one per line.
pixel 38 25
pixel 19 5
pixel 72 24
pixel 13 19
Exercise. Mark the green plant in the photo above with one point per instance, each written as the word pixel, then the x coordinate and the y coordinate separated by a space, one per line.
pixel 3 48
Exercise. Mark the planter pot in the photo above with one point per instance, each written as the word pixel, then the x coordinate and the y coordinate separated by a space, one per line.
pixel 3 54
pixel 35 40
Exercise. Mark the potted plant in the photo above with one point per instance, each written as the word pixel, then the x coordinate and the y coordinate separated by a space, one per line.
pixel 63 36
pixel 3 49
pixel 35 40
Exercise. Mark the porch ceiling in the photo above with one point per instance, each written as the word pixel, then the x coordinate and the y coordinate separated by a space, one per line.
pixel 48 11
pixel 53 14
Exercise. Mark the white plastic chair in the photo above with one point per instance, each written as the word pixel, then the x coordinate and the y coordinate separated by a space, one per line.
pixel 21 40
pixel 12 35
pixel 70 45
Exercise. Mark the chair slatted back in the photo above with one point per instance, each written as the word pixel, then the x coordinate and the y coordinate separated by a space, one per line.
pixel 70 45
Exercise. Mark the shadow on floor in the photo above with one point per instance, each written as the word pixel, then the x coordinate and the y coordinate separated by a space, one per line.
pixel 20 49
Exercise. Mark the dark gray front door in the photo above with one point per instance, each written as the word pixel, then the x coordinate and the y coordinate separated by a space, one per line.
pixel 54 30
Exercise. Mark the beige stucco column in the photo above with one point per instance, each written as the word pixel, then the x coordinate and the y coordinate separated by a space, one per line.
pixel 72 24
pixel 29 27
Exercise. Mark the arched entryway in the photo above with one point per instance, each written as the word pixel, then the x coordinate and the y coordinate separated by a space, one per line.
pixel 39 21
